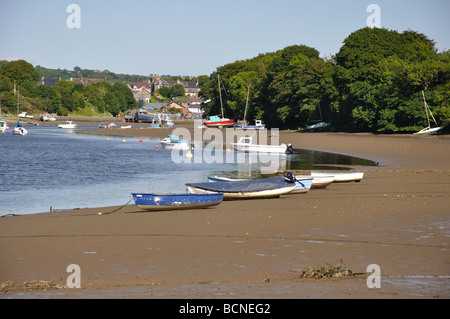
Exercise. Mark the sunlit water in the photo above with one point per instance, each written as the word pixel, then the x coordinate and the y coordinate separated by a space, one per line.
pixel 56 169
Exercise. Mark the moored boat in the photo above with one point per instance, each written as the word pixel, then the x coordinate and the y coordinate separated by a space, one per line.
pixel 19 130
pixel 245 144
pixel 341 176
pixel 215 121
pixel 68 125
pixel 248 189
pixel 158 202
pixel 258 126
pixel 173 142
pixel 3 126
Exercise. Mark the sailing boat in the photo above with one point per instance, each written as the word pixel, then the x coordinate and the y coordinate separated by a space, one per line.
pixel 320 125
pixel 243 125
pixel 19 129
pixel 216 121
pixel 428 129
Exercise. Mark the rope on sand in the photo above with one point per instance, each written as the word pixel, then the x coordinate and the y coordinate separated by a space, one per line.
pixel 118 208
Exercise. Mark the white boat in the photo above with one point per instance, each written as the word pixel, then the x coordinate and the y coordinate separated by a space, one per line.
pixel 18 130
pixel 45 117
pixel 173 142
pixel 248 189
pixel 125 126
pixel 245 144
pixel 428 129
pixel 317 182
pixel 258 126
pixel 69 124
pixel 3 126
pixel 340 177
pixel 322 182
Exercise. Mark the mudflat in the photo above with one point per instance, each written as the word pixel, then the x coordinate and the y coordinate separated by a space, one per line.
pixel 397 218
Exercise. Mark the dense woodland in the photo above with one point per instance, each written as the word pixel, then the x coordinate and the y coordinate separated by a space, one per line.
pixel 373 84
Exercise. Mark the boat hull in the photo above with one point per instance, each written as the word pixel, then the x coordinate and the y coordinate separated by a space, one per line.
pixel 20 131
pixel 220 124
pixel 160 202
pixel 340 177
pixel 248 189
pixel 250 148
pixel 251 127
pixel 428 130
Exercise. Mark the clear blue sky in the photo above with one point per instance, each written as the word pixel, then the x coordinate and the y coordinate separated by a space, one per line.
pixel 194 37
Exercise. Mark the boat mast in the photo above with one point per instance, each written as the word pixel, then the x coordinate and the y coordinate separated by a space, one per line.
pixel 246 104
pixel 18 90
pixel 427 109
pixel 220 94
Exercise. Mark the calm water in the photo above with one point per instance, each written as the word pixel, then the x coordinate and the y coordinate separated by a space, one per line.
pixel 63 169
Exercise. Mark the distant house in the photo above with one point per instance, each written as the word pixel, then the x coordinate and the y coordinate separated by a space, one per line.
pixel 48 82
pixel 193 105
pixel 173 105
pixel 141 90
pixel 86 81
pixel 191 88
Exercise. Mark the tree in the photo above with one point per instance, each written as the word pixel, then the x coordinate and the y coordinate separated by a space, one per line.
pixel 19 71
pixel 176 90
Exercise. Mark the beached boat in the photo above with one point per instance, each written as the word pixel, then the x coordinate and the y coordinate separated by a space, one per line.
pixel 317 182
pixel 173 142
pixel 68 125
pixel 341 176
pixel 245 144
pixel 322 182
pixel 216 121
pixel 428 129
pixel 45 117
pixel 258 126
pixel 302 185
pixel 125 126
pixel 248 189
pixel 144 115
pixel 157 202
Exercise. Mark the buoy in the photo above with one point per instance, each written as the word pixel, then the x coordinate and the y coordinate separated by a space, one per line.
pixel 189 154
pixel 107 139
pixel 123 141
pixel 141 140
pixel 228 151
pixel 156 146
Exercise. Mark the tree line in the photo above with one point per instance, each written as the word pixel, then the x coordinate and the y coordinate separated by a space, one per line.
pixel 373 84
pixel 19 81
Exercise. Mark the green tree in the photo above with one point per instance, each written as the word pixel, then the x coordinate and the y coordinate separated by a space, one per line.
pixel 176 90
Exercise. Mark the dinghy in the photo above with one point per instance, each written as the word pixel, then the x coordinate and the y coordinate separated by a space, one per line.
pixel 158 202
pixel 248 189
pixel 340 177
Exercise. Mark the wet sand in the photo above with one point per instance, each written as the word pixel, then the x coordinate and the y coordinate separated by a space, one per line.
pixel 397 217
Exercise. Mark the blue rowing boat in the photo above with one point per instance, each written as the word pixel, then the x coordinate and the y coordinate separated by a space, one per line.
pixel 155 202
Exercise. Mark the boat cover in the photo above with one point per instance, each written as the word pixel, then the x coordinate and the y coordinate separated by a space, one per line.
pixel 251 185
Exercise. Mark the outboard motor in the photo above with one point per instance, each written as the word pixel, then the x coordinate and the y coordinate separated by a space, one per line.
pixel 289 149
pixel 290 177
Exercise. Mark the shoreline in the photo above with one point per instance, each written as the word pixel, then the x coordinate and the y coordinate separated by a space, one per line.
pixel 397 217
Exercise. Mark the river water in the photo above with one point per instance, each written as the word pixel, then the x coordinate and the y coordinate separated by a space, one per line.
pixel 56 169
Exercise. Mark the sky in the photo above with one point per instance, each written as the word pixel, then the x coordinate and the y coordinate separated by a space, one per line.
pixel 194 37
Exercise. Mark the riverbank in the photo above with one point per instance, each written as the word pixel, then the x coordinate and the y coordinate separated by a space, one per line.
pixel 397 218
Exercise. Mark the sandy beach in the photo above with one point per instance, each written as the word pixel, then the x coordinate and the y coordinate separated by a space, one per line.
pixel 397 217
